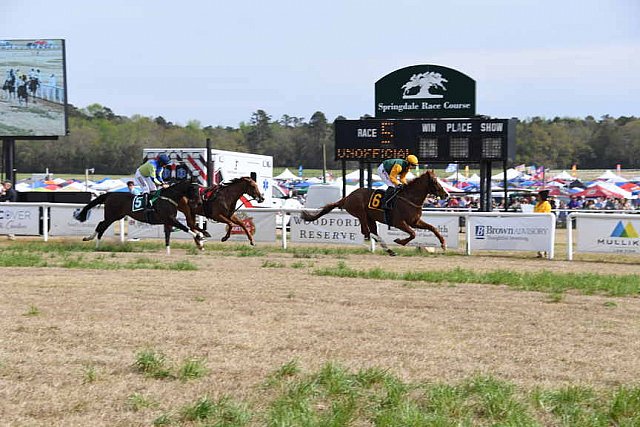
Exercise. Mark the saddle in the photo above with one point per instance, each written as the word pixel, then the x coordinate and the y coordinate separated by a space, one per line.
pixel 385 201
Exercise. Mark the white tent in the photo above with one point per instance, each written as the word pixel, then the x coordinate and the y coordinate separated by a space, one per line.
pixel 456 177
pixel 610 177
pixel 474 179
pixel 511 174
pixel 614 189
pixel 449 188
pixel 355 176
pixel 563 176
pixel 285 175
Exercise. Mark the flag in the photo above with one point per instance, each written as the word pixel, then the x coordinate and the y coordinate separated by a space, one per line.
pixel 451 167
pixel 539 173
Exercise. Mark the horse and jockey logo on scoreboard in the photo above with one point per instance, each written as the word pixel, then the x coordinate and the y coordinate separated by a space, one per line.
pixel 423 82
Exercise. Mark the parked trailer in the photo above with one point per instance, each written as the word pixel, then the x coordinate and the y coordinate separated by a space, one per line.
pixel 226 165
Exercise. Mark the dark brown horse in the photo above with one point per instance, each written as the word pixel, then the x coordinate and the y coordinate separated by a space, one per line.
pixel 366 205
pixel 219 204
pixel 117 205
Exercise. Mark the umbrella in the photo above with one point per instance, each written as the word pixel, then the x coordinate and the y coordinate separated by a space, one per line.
pixel 599 191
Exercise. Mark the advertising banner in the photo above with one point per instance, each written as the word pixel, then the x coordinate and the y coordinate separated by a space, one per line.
pixel 33 82
pixel 262 224
pixel 24 221
pixel 512 233
pixel 448 226
pixel 141 230
pixel 613 235
pixel 63 223
pixel 334 227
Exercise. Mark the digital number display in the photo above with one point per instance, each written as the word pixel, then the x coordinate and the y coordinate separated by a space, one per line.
pixel 431 139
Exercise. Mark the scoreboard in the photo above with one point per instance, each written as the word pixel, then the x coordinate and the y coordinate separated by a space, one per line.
pixel 432 140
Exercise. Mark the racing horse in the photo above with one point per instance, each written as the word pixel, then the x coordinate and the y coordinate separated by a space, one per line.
pixel 219 204
pixel 10 86
pixel 365 204
pixel 117 205
pixel 32 85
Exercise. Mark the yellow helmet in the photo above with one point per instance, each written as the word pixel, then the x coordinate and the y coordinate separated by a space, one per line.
pixel 413 160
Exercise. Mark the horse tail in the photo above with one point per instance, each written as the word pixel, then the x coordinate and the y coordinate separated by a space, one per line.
pixel 82 215
pixel 325 210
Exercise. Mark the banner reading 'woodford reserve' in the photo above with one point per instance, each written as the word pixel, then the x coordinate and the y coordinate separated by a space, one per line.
pixel 425 91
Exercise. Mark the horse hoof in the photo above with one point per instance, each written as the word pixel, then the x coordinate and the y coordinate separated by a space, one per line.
pixel 206 234
pixel 85 239
pixel 391 253
pixel 444 248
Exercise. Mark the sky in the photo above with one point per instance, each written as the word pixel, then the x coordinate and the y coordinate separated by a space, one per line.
pixel 218 62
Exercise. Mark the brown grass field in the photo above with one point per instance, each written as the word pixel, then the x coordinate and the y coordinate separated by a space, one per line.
pixel 248 319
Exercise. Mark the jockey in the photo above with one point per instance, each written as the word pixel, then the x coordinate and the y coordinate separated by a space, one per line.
pixel 394 173
pixel 149 176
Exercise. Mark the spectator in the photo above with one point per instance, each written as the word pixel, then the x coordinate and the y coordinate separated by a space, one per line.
pixel 132 188
pixel 8 194
pixel 543 206
pixel 574 203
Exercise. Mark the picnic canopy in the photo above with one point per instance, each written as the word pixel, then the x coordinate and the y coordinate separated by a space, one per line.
pixel 563 176
pixel 511 175
pixel 611 177
pixel 285 175
pixel 598 190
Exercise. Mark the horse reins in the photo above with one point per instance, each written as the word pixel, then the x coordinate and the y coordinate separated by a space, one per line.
pixel 410 202
pixel 173 202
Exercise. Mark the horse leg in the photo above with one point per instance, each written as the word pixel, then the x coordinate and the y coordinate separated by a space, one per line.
pixel 193 225
pixel 236 220
pixel 405 227
pixel 99 231
pixel 426 226
pixel 173 222
pixel 374 234
pixel 167 237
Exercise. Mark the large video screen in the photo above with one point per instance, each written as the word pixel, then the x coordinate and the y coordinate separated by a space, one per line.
pixel 34 97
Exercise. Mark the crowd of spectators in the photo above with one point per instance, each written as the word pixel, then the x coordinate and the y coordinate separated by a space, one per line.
pixel 515 204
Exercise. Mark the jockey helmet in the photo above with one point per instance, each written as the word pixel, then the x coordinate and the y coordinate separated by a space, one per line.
pixel 163 159
pixel 413 160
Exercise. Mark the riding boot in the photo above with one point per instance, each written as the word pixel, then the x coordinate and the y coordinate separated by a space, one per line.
pixel 388 197
pixel 148 209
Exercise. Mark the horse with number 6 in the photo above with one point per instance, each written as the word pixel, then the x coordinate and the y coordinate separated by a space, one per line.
pixel 365 204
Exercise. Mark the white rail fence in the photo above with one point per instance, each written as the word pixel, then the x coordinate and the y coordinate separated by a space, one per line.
pixel 494 231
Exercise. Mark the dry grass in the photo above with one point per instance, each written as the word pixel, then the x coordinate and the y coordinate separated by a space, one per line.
pixel 73 363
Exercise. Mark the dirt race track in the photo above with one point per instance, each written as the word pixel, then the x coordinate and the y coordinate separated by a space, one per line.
pixel 247 319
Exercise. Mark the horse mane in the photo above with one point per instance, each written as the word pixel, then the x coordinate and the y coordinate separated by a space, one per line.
pixel 232 182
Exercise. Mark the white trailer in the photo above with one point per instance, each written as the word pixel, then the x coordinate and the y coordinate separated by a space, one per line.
pixel 226 165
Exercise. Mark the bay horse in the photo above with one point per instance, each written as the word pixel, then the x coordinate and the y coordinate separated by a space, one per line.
pixel 10 87
pixel 365 204
pixel 219 204
pixel 117 205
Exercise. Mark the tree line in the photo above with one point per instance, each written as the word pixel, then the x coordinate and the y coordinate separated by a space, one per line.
pixel 113 144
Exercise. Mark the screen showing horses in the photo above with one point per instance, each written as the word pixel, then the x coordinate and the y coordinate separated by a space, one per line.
pixel 33 98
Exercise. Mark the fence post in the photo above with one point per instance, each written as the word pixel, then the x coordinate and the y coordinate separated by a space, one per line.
pixel 45 221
